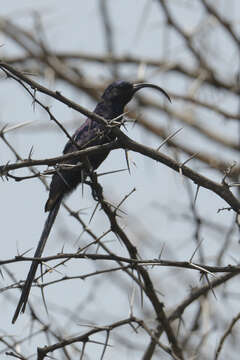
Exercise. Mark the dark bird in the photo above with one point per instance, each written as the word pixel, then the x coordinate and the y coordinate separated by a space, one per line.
pixel 91 133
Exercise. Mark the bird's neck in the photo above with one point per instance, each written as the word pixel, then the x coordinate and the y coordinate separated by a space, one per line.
pixel 108 109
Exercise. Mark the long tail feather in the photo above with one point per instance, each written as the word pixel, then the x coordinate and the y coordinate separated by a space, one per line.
pixel 38 253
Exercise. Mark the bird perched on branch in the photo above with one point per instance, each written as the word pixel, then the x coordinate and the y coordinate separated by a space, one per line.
pixel 91 133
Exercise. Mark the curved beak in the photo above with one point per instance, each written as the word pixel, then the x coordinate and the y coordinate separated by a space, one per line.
pixel 137 87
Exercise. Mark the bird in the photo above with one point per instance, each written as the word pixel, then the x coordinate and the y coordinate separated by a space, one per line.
pixel 91 133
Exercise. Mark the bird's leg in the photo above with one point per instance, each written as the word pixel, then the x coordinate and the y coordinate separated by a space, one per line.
pixel 97 190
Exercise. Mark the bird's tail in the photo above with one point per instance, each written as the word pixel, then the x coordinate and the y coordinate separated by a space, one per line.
pixel 38 253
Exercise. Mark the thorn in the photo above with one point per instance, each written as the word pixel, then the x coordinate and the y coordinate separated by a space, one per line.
pixel 124 199
pixel 161 252
pixel 111 172
pixel 198 246
pixel 44 301
pixel 168 138
pixel 116 208
pixel 127 161
pixel 134 122
pixel 190 158
pixel 79 237
pixel 94 211
pixel 210 286
pixel 195 197
pixel 179 325
pixel 123 124
pixel 131 302
pixel 30 153
pixel 34 99
pixel 82 181
pixel 202 269
pixel 17 126
pixel 141 289
pixel 24 253
pixel 119 116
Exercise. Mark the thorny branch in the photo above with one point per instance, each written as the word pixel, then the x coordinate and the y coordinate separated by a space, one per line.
pixel 127 143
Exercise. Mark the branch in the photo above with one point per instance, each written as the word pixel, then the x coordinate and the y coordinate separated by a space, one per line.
pixel 220 189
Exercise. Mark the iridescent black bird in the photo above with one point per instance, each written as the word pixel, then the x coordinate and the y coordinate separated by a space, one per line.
pixel 91 133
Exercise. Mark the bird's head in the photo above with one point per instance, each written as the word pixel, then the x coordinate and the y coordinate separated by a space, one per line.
pixel 121 92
